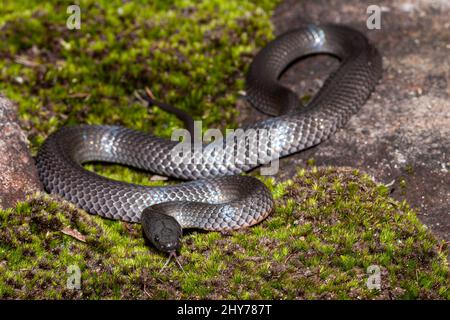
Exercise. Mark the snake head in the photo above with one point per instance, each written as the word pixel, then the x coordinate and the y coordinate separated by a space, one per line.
pixel 163 231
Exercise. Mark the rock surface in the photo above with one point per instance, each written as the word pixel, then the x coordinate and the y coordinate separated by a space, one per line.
pixel 18 175
pixel 401 136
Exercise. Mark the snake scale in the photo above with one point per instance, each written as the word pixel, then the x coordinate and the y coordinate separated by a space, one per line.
pixel 217 197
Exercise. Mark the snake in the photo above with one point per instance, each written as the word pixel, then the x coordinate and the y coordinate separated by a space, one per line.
pixel 215 195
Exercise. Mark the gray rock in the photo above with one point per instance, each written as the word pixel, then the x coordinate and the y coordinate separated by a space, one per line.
pixel 402 134
pixel 18 175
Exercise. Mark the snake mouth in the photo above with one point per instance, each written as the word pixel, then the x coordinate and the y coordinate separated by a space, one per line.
pixel 170 247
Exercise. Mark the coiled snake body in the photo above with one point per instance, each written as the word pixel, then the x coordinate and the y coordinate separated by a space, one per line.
pixel 217 198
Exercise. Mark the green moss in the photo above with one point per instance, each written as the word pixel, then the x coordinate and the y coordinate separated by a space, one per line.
pixel 193 56
pixel 305 249
pixel 327 228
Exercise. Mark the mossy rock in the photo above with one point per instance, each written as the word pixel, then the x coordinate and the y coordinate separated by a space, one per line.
pixel 328 227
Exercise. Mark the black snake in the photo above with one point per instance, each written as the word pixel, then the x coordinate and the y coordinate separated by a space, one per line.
pixel 217 198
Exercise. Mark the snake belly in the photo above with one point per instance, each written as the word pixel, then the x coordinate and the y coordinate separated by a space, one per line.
pixel 217 198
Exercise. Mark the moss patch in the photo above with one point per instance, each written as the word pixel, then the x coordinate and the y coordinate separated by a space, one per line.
pixel 328 227
pixel 193 56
